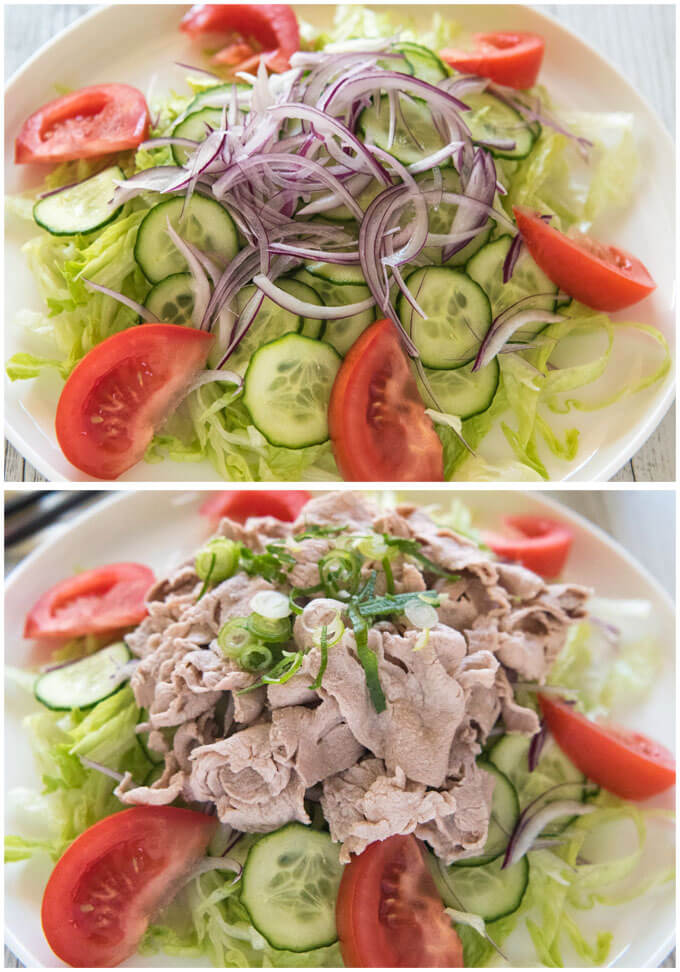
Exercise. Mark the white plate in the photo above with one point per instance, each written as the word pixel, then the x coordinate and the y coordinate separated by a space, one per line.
pixel 135 42
pixel 643 931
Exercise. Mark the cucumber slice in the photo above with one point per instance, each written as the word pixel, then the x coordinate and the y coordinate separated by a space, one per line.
pixel 290 885
pixel 85 682
pixel 458 316
pixel 195 126
pixel 336 274
pixel 440 220
pixel 490 118
pixel 221 94
pixel 82 208
pixel 504 814
pixel 287 389
pixel 486 267
pixel 341 333
pixel 204 223
pixel 172 299
pixel 511 756
pixel 415 135
pixel 463 392
pixel 271 322
pixel 424 63
pixel 487 891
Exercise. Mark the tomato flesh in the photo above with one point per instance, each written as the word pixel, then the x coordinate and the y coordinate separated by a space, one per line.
pixel 94 121
pixel 91 602
pixel 389 913
pixel 628 764
pixel 255 31
pixel 601 276
pixel 115 877
pixel 121 391
pixel 510 58
pixel 239 504
pixel 377 420
pixel 537 542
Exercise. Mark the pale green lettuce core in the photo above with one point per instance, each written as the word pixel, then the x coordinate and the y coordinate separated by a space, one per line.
pixel 212 424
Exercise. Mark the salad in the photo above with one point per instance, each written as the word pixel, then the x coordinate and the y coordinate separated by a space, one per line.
pixel 357 254
pixel 343 732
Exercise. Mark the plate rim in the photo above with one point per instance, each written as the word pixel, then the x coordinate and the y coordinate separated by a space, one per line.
pixel 654 416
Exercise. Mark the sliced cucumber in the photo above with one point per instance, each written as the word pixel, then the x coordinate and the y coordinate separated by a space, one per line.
pixel 341 214
pixel 221 94
pixel 486 267
pixel 441 217
pixel 511 756
pixel 424 63
pixel 287 389
pixel 201 221
pixel 336 274
pixel 463 392
pixel 290 885
pixel 82 208
pixel 490 118
pixel 312 327
pixel 415 134
pixel 172 299
pixel 458 316
pixel 195 126
pixel 487 891
pixel 271 322
pixel 504 814
pixel 84 683
pixel 342 333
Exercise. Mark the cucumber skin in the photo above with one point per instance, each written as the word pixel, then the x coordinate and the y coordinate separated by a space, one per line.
pixel 87 232
pixel 90 705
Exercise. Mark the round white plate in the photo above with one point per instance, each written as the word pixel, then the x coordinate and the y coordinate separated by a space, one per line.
pixel 161 528
pixel 136 43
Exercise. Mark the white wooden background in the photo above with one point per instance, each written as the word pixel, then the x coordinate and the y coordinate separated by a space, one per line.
pixel 638 38
pixel 643 521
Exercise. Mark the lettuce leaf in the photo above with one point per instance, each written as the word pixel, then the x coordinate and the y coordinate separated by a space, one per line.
pixel 354 21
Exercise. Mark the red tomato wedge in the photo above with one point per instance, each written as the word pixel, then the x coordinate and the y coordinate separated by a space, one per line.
pixel 121 391
pixel 239 504
pixel 596 274
pixel 378 426
pixel 536 542
pixel 628 764
pixel 511 58
pixel 115 877
pixel 94 121
pixel 92 602
pixel 270 31
pixel 389 913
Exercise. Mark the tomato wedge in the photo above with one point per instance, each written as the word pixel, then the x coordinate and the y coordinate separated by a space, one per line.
pixel 115 877
pixel 511 58
pixel 389 913
pixel 601 276
pixel 91 602
pixel 254 31
pixel 378 426
pixel 536 542
pixel 121 391
pixel 239 504
pixel 626 763
pixel 87 123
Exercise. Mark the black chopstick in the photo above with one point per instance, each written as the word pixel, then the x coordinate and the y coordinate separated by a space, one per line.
pixel 15 534
pixel 24 500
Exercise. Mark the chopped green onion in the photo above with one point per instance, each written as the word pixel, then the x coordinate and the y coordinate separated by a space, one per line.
pixel 334 631
pixel 280 673
pixel 274 630
pixel 217 558
pixel 323 647
pixel 373 547
pixel 412 548
pixel 340 571
pixel 421 614
pixel 206 581
pixel 394 603
pixel 315 530
pixel 270 604
pixel 422 640
pixel 256 657
pixel 389 576
pixel 234 637
pixel 368 659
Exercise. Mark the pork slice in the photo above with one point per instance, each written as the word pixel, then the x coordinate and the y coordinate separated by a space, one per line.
pixel 519 582
pixel 516 718
pixel 164 791
pixel 367 803
pixel 254 789
pixel 307 554
pixel 207 670
pixel 467 599
pixel 450 550
pixel 345 508
pixel 230 599
pixel 477 676
pixel 256 532
pixel 317 741
pixel 165 602
pixel 462 830
pixel 295 691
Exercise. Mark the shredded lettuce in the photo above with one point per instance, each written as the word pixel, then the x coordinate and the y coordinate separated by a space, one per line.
pixel 358 22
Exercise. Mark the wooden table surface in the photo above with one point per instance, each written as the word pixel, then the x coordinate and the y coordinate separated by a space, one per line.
pixel 641 520
pixel 638 38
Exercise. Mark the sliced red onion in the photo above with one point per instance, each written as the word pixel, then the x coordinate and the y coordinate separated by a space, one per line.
pixel 216 374
pixel 100 768
pixel 53 192
pixel 207 864
pixel 145 314
pixel 156 179
pixel 430 161
pixel 198 70
pixel 347 89
pixel 536 746
pixel 512 257
pixel 527 830
pixel 152 143
pixel 201 284
pixel 304 309
pixel 480 185
pixel 502 331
